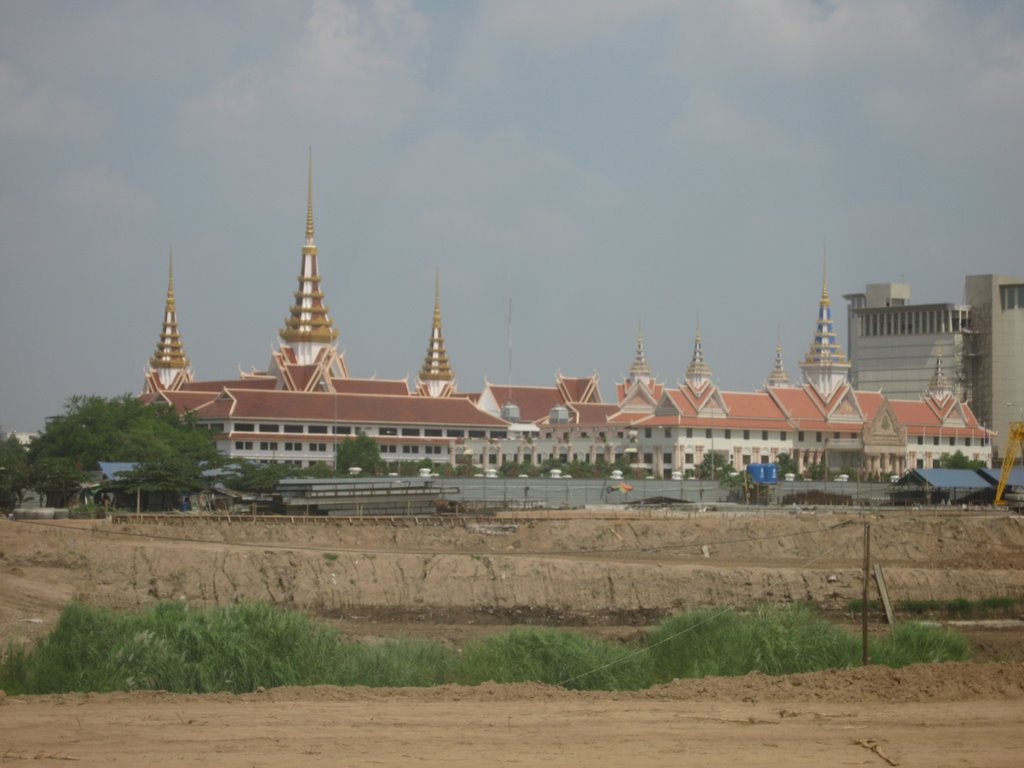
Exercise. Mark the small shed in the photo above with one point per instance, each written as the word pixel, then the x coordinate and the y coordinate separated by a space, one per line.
pixel 942 486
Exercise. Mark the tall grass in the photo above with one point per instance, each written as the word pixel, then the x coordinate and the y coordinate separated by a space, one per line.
pixel 771 639
pixel 177 648
pixel 554 657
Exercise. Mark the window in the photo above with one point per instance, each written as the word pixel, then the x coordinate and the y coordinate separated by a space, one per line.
pixel 293 429
pixel 648 458
pixel 243 445
pixel 477 433
pixel 952 441
pixel 817 437
pixel 746 461
pixel 967 442
pixel 689 431
pixel 243 427
pixel 746 434
pixel 456 433
pixel 432 432
pixel 410 432
pixel 343 430
pixel 764 434
pixel 268 446
pixel 647 432
pixel 765 459
pixel 728 434
pixel 935 440
pixel 293 446
pixel 666 458
pixel 318 447
pixel 499 434
pixel 389 431
pixel 688 458
pixel 317 429
pixel 799 437
pixel 270 428
pixel 668 432
pixel 707 433
pixel 783 435
pixel 215 427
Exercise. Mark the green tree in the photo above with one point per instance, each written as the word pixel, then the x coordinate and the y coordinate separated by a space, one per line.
pixel 959 461
pixel 360 451
pixel 14 472
pixel 253 477
pixel 124 428
pixel 57 479
pixel 721 466
pixel 787 465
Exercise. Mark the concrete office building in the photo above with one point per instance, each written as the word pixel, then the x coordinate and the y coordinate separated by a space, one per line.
pixel 996 355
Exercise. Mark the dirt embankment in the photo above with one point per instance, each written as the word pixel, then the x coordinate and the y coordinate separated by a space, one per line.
pixel 616 571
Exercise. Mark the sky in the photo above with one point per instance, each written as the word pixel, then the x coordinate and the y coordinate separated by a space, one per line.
pixel 574 170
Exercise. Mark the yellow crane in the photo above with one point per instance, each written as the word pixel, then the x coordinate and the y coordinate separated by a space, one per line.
pixel 1014 446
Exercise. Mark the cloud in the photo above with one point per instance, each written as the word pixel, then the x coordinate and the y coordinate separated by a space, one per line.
pixel 33 111
pixel 100 190
pixel 352 62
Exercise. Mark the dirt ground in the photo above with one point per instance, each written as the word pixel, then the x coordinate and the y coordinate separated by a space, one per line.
pixel 607 573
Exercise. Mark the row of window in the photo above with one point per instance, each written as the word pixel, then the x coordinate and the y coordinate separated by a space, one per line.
pixel 273 445
pixel 907 321
pixel 413 449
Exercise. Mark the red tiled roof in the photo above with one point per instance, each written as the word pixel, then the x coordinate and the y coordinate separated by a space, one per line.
pixel 217 385
pixel 358 408
pixel 371 386
pixel 593 414
pixel 535 403
pixel 183 402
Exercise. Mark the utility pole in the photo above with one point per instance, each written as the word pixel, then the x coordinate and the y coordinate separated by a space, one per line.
pixel 864 594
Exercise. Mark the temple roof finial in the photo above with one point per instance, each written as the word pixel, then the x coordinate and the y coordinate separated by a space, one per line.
pixel 169 361
pixel 698 373
pixel 309 198
pixel 778 377
pixel 308 328
pixel 436 377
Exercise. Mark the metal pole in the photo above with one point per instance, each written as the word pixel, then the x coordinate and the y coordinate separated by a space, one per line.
pixel 864 595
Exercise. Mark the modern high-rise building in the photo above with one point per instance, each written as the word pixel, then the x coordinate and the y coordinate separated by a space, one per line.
pixel 996 354
pixel 893 345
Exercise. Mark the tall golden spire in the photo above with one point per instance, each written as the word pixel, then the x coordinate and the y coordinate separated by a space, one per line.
pixel 639 368
pixel 698 373
pixel 436 374
pixel 825 365
pixel 169 360
pixel 308 328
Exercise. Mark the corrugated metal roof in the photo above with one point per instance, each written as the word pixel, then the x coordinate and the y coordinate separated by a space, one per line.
pixel 1016 475
pixel 949 478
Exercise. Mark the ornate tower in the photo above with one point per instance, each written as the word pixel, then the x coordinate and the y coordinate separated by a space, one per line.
pixel 436 378
pixel 168 367
pixel 308 330
pixel 825 367
pixel 940 389
pixel 698 373
pixel 778 377
pixel 640 370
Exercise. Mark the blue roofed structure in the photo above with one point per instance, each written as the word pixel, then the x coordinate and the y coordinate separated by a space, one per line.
pixel 992 475
pixel 946 479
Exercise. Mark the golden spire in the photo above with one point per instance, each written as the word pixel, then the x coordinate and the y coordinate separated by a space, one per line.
pixel 698 373
pixel 169 354
pixel 308 326
pixel 309 199
pixel 639 368
pixel 436 372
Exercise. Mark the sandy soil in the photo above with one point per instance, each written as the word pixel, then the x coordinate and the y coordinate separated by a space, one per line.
pixel 612 575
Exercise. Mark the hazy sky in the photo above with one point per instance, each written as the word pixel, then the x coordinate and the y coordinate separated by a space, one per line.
pixel 599 163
